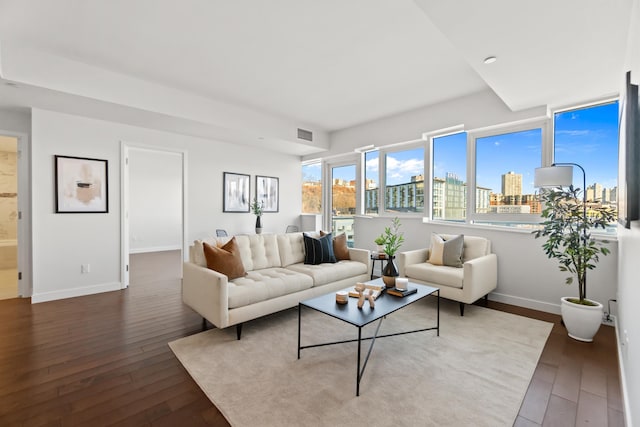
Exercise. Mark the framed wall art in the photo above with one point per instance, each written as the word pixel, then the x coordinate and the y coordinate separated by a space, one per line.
pixel 235 192
pixel 81 185
pixel 267 193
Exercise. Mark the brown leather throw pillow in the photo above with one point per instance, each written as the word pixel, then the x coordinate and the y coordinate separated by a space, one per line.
pixel 225 259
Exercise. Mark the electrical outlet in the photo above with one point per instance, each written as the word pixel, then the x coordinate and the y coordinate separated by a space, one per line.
pixel 85 268
pixel 608 319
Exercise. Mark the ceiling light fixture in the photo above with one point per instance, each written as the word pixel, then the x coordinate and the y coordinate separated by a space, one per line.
pixel 490 59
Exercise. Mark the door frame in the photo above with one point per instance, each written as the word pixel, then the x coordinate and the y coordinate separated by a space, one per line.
pixel 327 197
pixel 125 147
pixel 25 285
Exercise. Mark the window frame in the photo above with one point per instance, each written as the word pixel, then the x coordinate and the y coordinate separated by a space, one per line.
pixel 472 137
pixel 382 177
pixel 430 137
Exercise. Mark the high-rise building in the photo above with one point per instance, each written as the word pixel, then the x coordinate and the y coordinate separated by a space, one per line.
pixel 594 192
pixel 512 184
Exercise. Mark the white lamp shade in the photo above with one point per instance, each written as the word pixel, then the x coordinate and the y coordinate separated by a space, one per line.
pixel 553 176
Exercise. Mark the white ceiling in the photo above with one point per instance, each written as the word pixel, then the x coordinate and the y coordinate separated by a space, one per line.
pixel 334 63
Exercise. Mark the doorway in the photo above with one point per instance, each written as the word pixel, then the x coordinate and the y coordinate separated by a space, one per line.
pixel 8 217
pixel 153 204
pixel 343 197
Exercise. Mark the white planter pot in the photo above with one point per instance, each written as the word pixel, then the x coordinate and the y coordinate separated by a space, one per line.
pixel 582 321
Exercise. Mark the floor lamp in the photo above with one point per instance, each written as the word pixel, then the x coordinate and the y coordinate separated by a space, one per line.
pixel 561 175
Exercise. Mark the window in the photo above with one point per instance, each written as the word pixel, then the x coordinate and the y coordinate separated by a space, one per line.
pixel 371 186
pixel 404 181
pixel 589 137
pixel 449 176
pixel 504 170
pixel 311 188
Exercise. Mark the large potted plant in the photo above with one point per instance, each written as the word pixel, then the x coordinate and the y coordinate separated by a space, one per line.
pixel 393 239
pixel 567 226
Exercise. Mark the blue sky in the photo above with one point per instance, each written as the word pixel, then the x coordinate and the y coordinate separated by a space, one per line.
pixel 588 137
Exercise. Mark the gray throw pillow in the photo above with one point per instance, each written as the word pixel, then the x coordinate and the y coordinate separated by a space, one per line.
pixel 446 252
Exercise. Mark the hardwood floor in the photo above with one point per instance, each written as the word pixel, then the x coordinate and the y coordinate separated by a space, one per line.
pixel 103 360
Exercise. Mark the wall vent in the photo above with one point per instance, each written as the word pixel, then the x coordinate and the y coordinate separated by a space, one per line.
pixel 307 135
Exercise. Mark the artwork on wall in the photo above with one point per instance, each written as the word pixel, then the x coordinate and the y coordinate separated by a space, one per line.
pixel 235 192
pixel 81 185
pixel 267 193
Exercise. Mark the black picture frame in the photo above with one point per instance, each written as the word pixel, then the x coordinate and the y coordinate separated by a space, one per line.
pixel 235 192
pixel 81 185
pixel 267 193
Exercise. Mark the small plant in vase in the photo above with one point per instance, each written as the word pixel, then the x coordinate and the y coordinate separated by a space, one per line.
pixel 393 239
pixel 256 209
pixel 379 241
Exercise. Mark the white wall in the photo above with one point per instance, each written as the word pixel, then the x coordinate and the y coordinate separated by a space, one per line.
pixel 155 200
pixel 62 242
pixel 629 318
pixel 526 277
pixel 15 122
pixel 475 111
pixel 629 284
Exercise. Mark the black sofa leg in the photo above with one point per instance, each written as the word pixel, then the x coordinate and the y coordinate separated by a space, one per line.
pixel 461 309
pixel 204 324
pixel 239 330
pixel 486 300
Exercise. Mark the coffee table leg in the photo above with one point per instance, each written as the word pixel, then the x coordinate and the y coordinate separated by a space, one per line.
pixel 438 316
pixel 358 371
pixel 299 323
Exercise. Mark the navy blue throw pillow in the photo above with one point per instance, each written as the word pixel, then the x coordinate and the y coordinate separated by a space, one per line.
pixel 317 251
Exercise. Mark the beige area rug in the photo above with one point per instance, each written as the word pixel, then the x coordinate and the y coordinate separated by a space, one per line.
pixel 475 373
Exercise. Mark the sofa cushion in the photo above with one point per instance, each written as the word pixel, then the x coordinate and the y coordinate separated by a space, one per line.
pixel 259 251
pixel 225 259
pixel 446 251
pixel 437 274
pixel 327 272
pixel 265 284
pixel 291 248
pixel 318 251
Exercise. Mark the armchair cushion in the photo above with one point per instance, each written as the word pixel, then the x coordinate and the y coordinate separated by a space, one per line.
pixel 436 274
pixel 446 251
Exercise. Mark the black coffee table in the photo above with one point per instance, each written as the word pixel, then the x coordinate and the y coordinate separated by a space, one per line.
pixel 385 304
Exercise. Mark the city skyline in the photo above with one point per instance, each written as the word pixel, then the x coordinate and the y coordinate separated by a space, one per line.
pixel 587 136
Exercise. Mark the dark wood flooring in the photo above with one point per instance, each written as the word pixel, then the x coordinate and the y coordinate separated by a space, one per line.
pixel 104 360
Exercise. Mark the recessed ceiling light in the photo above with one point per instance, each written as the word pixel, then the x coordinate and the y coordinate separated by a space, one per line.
pixel 490 59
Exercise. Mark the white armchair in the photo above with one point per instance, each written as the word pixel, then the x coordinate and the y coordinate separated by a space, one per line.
pixel 476 279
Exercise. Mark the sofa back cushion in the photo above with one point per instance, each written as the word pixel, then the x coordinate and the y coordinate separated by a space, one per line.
pixel 291 246
pixel 259 251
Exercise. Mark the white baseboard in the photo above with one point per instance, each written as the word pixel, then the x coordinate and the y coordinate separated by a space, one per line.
pixel 623 383
pixel 155 249
pixel 75 292
pixel 526 302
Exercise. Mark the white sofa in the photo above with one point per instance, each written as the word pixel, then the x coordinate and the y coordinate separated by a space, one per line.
pixel 276 279
pixel 476 279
